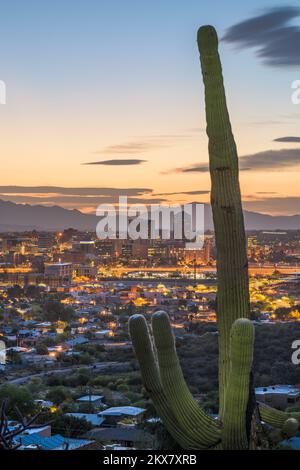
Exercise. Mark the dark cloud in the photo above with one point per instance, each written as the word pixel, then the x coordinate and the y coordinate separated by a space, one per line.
pixel 267 160
pixel 78 200
pixel 75 191
pixel 287 139
pixel 276 40
pixel 192 193
pixel 76 197
pixel 271 160
pixel 266 192
pixel 275 205
pixel 201 168
pixel 116 162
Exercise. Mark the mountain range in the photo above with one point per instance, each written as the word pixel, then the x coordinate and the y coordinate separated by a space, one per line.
pixel 22 217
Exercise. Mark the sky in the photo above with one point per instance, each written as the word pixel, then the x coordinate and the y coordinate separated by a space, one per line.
pixel 105 98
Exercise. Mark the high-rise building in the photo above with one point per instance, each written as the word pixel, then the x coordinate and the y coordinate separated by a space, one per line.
pixel 199 255
pixel 45 241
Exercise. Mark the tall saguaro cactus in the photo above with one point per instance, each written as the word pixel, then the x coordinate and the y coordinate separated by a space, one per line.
pixel 160 369
pixel 232 266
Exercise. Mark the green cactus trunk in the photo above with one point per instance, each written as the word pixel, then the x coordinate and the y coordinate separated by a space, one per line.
pixel 232 265
pixel 237 393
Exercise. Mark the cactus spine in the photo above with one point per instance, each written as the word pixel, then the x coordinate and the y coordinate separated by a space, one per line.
pixel 161 373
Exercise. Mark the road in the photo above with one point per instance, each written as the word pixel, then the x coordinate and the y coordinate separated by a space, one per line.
pixel 100 366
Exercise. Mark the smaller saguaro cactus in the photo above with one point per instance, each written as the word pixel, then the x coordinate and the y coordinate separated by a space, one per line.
pixel 185 420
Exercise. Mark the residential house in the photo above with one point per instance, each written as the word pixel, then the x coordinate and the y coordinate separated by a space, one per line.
pixel 115 414
pixel 93 418
pixel 56 442
pixel 125 437
pixel 94 401
pixel 278 396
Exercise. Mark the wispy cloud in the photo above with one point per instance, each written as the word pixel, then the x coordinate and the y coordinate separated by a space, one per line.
pixel 128 148
pixel 275 39
pixel 266 122
pixel 151 142
pixel 117 162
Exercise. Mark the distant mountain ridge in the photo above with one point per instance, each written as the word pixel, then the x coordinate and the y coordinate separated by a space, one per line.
pixel 22 217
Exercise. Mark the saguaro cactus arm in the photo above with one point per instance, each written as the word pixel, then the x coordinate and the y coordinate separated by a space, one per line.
pixel 151 380
pixel 187 433
pixel 181 414
pixel 237 392
pixel 183 434
pixel 184 406
pixel 232 266
pixel 274 417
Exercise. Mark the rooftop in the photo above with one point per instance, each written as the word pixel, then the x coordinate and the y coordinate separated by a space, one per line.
pixel 56 442
pixel 280 389
pixel 292 442
pixel 92 418
pixel 118 434
pixel 89 398
pixel 122 410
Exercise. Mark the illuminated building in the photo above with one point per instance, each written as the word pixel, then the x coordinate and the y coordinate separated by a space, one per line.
pixel 85 270
pixel 199 255
pixel 45 241
pixel 56 273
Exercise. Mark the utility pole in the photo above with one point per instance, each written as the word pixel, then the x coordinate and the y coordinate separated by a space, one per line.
pixel 90 399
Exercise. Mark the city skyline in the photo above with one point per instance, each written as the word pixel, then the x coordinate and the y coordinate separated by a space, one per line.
pixel 108 102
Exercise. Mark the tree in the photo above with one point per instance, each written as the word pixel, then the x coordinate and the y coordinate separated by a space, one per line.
pixel 33 291
pixel 70 426
pixel 15 292
pixel 56 311
pixel 8 435
pixel 19 396
pixel 41 349
pixel 58 395
pixel 85 358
